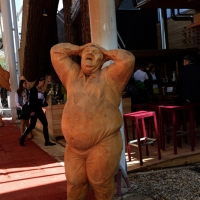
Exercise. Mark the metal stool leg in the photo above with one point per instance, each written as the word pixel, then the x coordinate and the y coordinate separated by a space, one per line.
pixel 157 136
pixel 138 141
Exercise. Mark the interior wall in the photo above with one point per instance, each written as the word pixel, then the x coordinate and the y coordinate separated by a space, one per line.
pixel 180 35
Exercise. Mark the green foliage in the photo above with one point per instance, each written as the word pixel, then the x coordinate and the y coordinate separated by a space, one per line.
pixel 140 84
pixel 3 62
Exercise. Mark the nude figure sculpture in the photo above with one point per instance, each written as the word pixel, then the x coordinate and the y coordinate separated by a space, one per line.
pixel 91 119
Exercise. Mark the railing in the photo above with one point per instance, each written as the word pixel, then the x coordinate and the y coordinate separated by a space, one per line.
pixel 138 2
pixel 75 8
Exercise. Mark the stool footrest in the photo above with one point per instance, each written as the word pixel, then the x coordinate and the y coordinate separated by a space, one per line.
pixel 149 141
pixel 181 133
pixel 168 129
pixel 139 123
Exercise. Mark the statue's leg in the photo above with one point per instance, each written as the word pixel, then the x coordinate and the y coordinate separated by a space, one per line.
pixel 102 164
pixel 77 182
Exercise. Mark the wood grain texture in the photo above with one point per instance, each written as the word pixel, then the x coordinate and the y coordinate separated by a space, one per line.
pixel 180 35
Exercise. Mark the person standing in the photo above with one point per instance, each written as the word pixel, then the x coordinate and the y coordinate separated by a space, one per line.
pixel 153 79
pixel 21 98
pixel 140 74
pixel 141 80
pixel 36 102
pixel 188 83
pixel 50 85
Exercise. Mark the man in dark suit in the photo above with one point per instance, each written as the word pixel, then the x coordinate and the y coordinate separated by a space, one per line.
pixel 188 84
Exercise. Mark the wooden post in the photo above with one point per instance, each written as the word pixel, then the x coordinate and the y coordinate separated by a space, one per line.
pixel 165 70
pixel 176 68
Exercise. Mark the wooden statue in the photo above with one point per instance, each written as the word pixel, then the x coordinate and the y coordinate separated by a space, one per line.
pixel 91 119
pixel 4 83
pixel 4 79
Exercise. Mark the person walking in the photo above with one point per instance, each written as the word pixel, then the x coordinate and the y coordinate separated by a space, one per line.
pixel 36 102
pixel 21 98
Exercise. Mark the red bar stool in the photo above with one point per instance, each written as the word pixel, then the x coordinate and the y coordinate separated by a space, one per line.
pixel 156 108
pixel 133 126
pixel 174 110
pixel 139 107
pixel 194 106
pixel 142 138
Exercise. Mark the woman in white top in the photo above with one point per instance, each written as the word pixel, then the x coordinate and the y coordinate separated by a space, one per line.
pixel 21 98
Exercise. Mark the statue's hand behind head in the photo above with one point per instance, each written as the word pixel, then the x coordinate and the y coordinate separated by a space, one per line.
pixel 103 51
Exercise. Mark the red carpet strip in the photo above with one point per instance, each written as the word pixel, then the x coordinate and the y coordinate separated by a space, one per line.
pixel 29 173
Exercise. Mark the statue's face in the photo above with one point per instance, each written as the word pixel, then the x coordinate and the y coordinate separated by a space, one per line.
pixel 91 60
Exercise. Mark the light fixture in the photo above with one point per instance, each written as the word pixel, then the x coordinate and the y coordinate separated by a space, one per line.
pixel 45 13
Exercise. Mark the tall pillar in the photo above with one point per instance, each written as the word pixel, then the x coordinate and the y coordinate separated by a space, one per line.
pixel 104 32
pixel 103 23
pixel 16 38
pixel 8 44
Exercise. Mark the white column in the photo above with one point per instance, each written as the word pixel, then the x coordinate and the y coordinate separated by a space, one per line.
pixel 8 44
pixel 104 32
pixel 16 38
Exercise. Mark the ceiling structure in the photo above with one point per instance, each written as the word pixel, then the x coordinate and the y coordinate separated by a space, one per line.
pixel 39 32
pixel 193 4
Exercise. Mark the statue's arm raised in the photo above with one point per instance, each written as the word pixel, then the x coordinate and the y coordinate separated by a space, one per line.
pixel 121 69
pixel 61 58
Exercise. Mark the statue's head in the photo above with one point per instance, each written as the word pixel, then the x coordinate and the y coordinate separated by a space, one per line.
pixel 92 59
